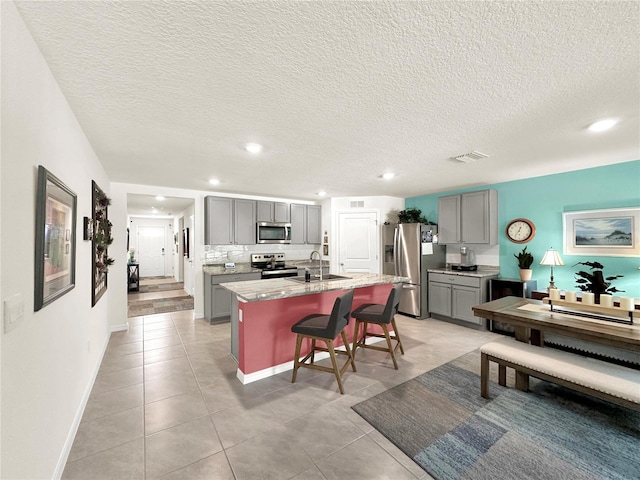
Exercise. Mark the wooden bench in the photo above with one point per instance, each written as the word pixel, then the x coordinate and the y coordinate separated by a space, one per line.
pixel 603 380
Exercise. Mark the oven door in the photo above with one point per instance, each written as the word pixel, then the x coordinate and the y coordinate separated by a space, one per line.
pixel 269 232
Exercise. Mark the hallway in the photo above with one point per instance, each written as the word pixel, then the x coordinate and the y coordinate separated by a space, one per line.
pixel 158 295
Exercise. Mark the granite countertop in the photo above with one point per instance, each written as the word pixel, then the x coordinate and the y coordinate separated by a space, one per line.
pixel 218 269
pixel 257 290
pixel 481 272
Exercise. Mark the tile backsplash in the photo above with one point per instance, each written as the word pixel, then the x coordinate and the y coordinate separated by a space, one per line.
pixel 487 255
pixel 215 254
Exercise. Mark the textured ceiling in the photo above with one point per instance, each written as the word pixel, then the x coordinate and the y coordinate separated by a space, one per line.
pixel 340 92
pixel 150 205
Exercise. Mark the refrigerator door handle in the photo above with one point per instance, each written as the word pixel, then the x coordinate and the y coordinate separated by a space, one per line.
pixel 396 250
pixel 409 286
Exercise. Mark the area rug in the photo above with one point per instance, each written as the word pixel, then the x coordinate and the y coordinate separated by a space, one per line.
pixel 440 420
pixel 159 305
pixel 162 287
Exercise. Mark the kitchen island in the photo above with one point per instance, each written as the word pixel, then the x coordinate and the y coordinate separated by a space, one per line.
pixel 263 312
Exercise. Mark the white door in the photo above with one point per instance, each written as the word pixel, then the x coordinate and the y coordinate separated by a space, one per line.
pixel 358 242
pixel 151 250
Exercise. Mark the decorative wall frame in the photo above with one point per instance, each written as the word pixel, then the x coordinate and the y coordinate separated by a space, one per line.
pixel 612 233
pixel 55 242
pixel 100 243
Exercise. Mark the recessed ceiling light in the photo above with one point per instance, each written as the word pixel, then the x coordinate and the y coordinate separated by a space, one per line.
pixel 254 148
pixel 602 125
pixel 214 181
pixel 322 193
pixel 388 175
pixel 160 198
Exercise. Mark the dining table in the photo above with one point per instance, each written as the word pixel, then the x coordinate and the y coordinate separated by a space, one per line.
pixel 531 319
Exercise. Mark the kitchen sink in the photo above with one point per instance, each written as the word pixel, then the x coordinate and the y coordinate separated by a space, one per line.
pixel 325 278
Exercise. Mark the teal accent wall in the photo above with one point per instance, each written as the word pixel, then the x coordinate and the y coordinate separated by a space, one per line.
pixel 543 200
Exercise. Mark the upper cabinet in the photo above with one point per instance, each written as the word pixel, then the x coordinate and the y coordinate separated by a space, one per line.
pixel 273 212
pixel 306 224
pixel 229 221
pixel 469 218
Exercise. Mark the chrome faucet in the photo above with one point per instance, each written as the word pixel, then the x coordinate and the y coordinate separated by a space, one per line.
pixel 319 261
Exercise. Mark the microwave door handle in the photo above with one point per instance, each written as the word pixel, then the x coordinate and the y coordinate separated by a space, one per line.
pixel 286 233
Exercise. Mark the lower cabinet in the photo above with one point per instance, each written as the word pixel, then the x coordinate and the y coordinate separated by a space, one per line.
pixel 452 296
pixel 217 300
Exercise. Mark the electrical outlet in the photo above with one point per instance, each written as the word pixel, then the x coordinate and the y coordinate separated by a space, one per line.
pixel 13 312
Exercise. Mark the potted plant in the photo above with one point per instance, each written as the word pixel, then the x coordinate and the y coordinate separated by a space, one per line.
pixel 412 215
pixel 525 259
pixel 595 281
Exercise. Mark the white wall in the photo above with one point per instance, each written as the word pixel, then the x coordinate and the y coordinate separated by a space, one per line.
pixel 49 360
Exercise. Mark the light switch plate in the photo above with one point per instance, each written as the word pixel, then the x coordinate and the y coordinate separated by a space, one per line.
pixel 13 312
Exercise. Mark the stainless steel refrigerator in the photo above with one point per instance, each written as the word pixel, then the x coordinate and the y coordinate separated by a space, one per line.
pixel 408 251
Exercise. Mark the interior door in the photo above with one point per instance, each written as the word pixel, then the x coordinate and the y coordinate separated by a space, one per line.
pixel 358 242
pixel 151 250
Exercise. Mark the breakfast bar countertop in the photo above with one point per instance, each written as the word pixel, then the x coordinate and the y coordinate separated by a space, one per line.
pixel 258 290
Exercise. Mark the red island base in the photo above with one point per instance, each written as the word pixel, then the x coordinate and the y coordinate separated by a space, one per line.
pixel 266 345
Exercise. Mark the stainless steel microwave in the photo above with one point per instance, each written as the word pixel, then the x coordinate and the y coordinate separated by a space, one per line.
pixel 272 232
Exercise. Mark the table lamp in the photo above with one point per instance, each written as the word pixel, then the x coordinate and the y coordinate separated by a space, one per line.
pixel 551 258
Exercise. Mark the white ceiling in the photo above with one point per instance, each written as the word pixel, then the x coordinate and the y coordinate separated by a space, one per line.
pixel 144 205
pixel 340 92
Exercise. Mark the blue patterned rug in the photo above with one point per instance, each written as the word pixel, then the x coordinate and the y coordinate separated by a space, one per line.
pixel 440 420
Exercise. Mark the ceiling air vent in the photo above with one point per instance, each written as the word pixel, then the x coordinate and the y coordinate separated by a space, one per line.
pixel 471 157
pixel 357 204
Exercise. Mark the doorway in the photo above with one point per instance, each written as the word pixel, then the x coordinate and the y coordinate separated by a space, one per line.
pixel 358 242
pixel 151 250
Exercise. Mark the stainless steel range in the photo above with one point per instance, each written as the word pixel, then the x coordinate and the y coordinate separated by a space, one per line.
pixel 272 265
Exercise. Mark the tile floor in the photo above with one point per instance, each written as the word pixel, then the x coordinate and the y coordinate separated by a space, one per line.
pixel 166 404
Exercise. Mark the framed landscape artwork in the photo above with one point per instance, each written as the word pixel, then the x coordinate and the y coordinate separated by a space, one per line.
pixel 613 232
pixel 55 245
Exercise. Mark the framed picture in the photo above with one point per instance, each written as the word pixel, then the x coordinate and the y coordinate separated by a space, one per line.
pixel 55 245
pixel 87 227
pixel 100 242
pixel 613 232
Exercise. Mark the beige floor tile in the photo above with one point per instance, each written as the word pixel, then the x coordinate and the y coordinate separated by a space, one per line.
pixel 117 363
pixel 247 420
pixel 124 348
pixel 398 454
pixel 215 467
pixel 363 459
pixel 112 381
pixel 114 401
pixel 310 474
pixel 180 446
pixel 167 368
pixel 174 411
pixel 107 432
pixel 165 387
pixel 163 354
pixel 124 462
pixel 272 455
pixel 162 342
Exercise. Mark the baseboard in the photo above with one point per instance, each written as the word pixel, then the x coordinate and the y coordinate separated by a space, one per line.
pixel 123 327
pixel 246 378
pixel 197 315
pixel 66 449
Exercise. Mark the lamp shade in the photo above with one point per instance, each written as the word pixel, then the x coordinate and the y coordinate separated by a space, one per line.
pixel 551 257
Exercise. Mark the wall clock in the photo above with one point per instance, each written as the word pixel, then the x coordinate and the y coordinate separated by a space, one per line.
pixel 520 230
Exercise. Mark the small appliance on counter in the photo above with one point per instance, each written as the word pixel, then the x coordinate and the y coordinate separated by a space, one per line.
pixel 467 261
pixel 272 265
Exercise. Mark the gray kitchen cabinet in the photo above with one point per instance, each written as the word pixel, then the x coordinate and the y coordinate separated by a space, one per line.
pixel 244 224
pixel 470 217
pixel 229 221
pixel 218 221
pixel 306 224
pixel 452 296
pixel 273 212
pixel 217 300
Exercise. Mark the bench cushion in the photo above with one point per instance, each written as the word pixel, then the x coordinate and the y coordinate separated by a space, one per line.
pixel 609 378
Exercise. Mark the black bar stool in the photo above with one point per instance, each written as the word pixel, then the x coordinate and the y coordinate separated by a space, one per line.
pixel 382 315
pixel 326 328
